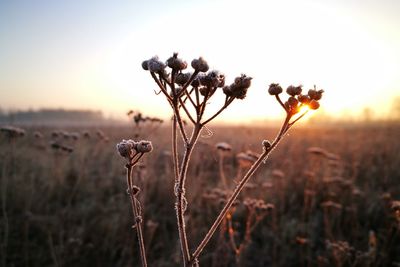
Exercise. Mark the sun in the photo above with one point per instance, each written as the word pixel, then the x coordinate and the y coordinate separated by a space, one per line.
pixel 304 109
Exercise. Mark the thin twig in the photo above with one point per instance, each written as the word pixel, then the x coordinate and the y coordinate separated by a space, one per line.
pixel 280 102
pixel 238 189
pixel 180 122
pixel 187 111
pixel 163 89
pixel 137 218
pixel 227 103
pixel 175 149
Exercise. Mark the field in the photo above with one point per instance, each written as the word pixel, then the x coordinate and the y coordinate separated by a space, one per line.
pixel 330 197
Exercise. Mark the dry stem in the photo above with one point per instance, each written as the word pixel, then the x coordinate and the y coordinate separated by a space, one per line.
pixel 136 212
pixel 285 127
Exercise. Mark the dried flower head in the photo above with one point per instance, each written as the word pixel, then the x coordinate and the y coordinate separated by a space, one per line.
pixel 293 102
pixel 316 151
pixel 223 146
pixel 144 146
pixel 246 159
pixel 12 132
pixel 86 134
pixel 176 63
pixel 38 135
pixel 313 104
pixel 278 173
pixel 200 65
pixel 154 65
pixel 238 89
pixel 275 89
pixel 266 144
pixel 315 94
pixel 182 78
pixel 294 90
pixel 304 99
pixel 212 79
pixel 126 148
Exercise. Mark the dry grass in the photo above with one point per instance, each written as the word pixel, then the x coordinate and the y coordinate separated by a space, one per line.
pixel 333 206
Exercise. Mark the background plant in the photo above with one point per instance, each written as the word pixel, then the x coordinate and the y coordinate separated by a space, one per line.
pixel 70 209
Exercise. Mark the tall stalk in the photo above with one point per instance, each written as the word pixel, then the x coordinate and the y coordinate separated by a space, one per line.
pixel 136 214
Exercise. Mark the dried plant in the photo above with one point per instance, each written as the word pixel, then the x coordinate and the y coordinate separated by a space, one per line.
pixel 188 94
pixel 133 151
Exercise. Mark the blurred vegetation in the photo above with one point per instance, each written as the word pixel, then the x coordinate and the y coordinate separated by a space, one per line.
pixel 334 198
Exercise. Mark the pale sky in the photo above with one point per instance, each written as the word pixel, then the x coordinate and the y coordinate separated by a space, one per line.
pixel 88 54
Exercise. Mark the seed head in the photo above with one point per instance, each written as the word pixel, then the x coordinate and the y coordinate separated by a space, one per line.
pixel 223 146
pixel 182 78
pixel 266 144
pixel 86 134
pixel 196 81
pixel 204 90
pixel 227 90
pixel 304 99
pixel 12 131
pixel 238 89
pixel 293 102
pixel 145 65
pixel 38 135
pixel 275 89
pixel 294 90
pixel 144 146
pixel 200 65
pixel 316 151
pixel 243 81
pixel 315 94
pixel 155 65
pixel 313 104
pixel 176 63
pixel 126 148
pixel 278 174
pixel 213 79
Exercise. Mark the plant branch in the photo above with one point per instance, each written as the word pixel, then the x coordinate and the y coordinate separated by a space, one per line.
pixel 180 122
pixel 227 103
pixel 280 102
pixel 298 118
pixel 180 194
pixel 238 189
pixel 136 215
pixel 187 111
pixel 163 89
pixel 175 149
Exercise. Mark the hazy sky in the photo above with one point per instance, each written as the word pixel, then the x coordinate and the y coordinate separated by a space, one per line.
pixel 88 54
